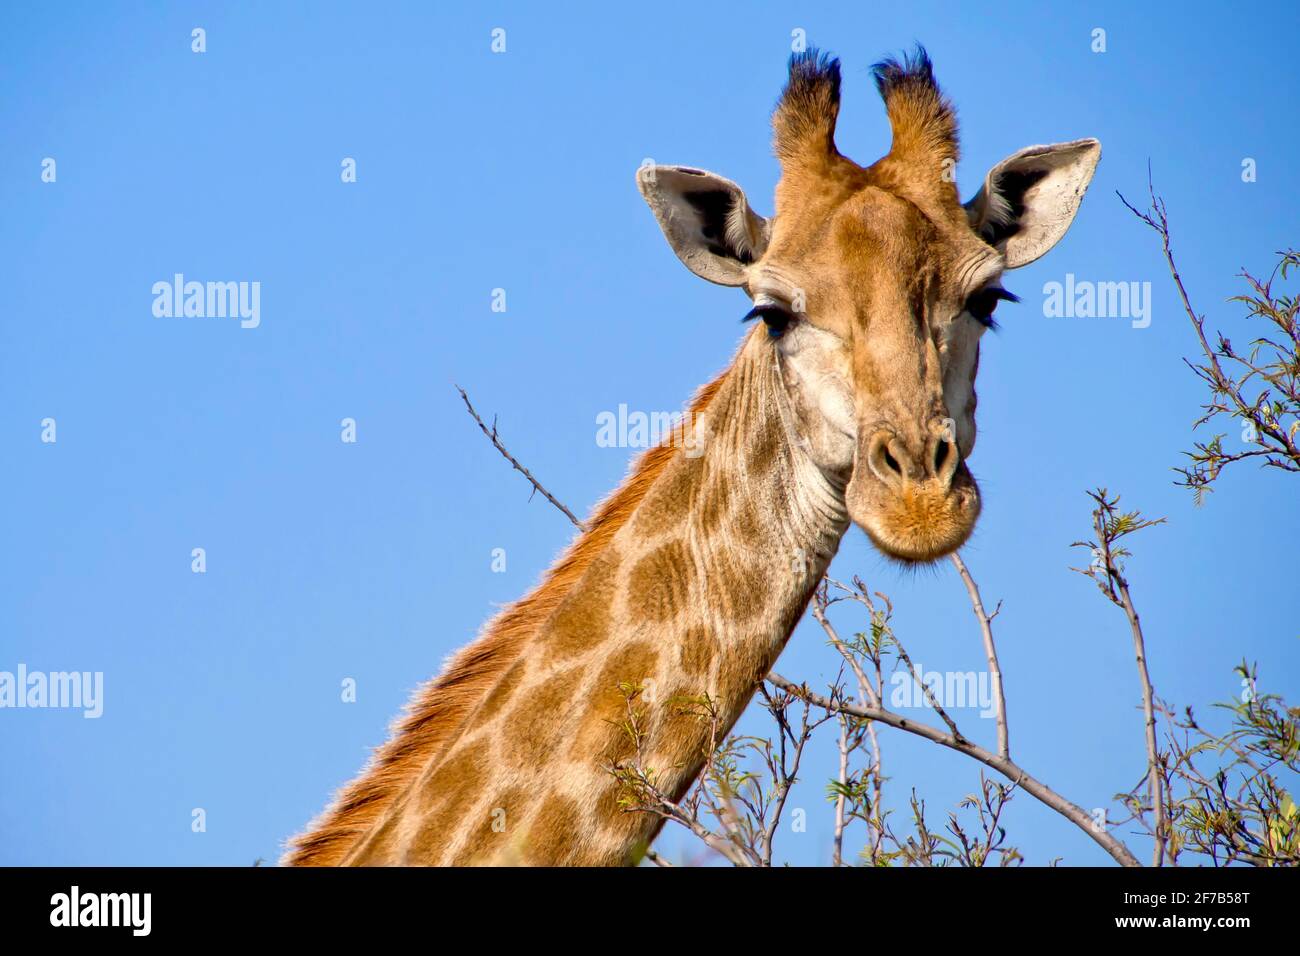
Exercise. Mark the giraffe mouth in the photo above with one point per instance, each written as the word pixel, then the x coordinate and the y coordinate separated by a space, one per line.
pixel 915 522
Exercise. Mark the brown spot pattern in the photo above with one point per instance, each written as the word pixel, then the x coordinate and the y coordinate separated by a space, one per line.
pixel 738 678
pixel 715 502
pixel 737 587
pixel 684 731
pixel 696 651
pixel 449 794
pixel 532 729
pixel 601 739
pixel 669 500
pixel 502 692
pixel 659 587
pixel 553 836
pixel 746 527
pixel 625 832
pixel 506 810
pixel 582 620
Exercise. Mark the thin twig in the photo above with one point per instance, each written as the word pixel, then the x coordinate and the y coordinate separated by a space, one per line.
pixel 868 694
pixel 991 651
pixel 864 685
pixel 929 694
pixel 1121 596
pixel 496 441
pixel 837 841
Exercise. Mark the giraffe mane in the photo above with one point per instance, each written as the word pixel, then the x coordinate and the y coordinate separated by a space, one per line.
pixel 438 709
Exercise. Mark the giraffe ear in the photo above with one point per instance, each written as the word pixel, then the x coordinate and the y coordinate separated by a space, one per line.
pixel 706 219
pixel 1029 199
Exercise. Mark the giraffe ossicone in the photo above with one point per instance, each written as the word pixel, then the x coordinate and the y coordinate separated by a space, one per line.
pixel 852 401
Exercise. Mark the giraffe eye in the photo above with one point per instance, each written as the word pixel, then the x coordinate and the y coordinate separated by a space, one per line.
pixel 982 304
pixel 777 319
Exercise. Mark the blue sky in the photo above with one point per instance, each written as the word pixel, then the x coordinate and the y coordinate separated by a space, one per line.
pixel 478 171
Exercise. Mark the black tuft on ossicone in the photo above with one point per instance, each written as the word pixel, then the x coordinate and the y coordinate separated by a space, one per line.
pixel 912 68
pixel 804 120
pixel 813 73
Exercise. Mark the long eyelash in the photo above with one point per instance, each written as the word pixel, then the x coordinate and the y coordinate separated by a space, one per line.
pixel 1003 295
pixel 758 311
pixel 777 318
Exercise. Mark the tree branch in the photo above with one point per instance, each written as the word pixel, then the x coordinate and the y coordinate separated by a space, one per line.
pixel 990 651
pixel 1075 814
pixel 1109 527
pixel 1264 414
pixel 497 443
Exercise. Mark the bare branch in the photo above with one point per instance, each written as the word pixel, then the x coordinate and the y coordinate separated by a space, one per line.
pixel 842 778
pixel 1267 413
pixel 1109 526
pixel 990 651
pixel 1072 812
pixel 497 443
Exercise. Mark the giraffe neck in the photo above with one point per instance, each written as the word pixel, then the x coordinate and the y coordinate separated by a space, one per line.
pixel 669 631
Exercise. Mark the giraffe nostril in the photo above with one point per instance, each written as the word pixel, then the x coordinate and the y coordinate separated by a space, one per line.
pixel 940 455
pixel 889 459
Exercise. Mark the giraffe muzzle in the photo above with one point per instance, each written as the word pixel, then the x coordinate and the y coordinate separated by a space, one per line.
pixel 916 500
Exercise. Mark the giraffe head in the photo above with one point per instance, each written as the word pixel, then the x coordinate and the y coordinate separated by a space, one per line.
pixel 876 284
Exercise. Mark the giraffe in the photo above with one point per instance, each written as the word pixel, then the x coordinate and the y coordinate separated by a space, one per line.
pixel 852 401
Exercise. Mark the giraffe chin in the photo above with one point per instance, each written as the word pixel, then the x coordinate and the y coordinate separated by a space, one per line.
pixel 919 523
